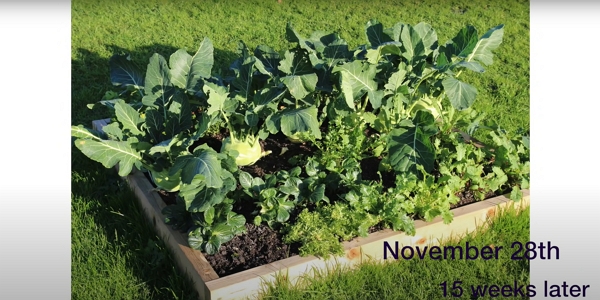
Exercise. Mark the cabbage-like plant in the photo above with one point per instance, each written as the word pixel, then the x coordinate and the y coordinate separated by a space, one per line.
pixel 244 136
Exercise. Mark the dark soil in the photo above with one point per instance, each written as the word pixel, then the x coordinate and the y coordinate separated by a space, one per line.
pixel 370 167
pixel 260 244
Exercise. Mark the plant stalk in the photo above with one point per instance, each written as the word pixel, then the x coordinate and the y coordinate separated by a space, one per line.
pixel 228 124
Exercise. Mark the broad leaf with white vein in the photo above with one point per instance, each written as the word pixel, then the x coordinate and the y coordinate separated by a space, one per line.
pixel 123 72
pixel 203 161
pixel 356 80
pixel 410 145
pixel 110 153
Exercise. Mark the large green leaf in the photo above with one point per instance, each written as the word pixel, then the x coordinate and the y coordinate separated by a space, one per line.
pixel 471 65
pixel 463 43
pixel 202 124
pixel 426 122
pixel 217 97
pixel 189 191
pixel 410 146
pixel 205 162
pixel 245 179
pixel 376 34
pixel 109 153
pixel 113 131
pixel 320 39
pixel 209 215
pixel 158 84
pixel 123 72
pixel 204 199
pixel 395 80
pixel 213 244
pixel 200 198
pixel 282 214
pixel 293 121
pixel 236 221
pixel 374 56
pixel 86 133
pixel 243 79
pixel 331 49
pixel 336 52
pixel 267 97
pixel 466 44
pixel 318 194
pixel 155 124
pixel 179 115
pixel 487 43
pixel 165 181
pixel 223 230
pixel 461 94
pixel 269 58
pixel 428 37
pixel 128 117
pixel 307 44
pixel 164 146
pixel 219 233
pixel 356 80
pixel 187 71
pixel 202 63
pixel 251 118
pixel 300 79
pixel 413 44
pixel 394 31
pixel 443 59
pixel 180 63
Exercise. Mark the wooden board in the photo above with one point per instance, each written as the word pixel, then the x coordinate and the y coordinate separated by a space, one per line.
pixel 250 282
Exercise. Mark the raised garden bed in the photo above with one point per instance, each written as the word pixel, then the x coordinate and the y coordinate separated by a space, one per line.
pixel 302 152
pixel 248 283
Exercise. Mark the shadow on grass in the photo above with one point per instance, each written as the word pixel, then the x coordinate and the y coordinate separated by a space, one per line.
pixel 112 205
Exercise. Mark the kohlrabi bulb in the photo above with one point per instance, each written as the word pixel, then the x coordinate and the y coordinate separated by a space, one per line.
pixel 249 150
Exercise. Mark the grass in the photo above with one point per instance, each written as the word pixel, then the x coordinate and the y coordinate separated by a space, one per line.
pixel 421 279
pixel 115 252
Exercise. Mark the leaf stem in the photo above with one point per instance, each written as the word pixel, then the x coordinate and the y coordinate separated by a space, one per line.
pixel 364 104
pixel 228 124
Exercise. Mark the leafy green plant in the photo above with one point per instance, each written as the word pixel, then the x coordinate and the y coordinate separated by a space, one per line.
pixel 155 133
pixel 282 192
pixel 242 136
pixel 217 225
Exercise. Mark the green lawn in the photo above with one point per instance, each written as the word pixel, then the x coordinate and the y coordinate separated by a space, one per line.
pixel 115 253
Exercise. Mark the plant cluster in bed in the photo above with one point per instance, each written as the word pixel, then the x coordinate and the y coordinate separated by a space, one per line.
pixel 320 143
